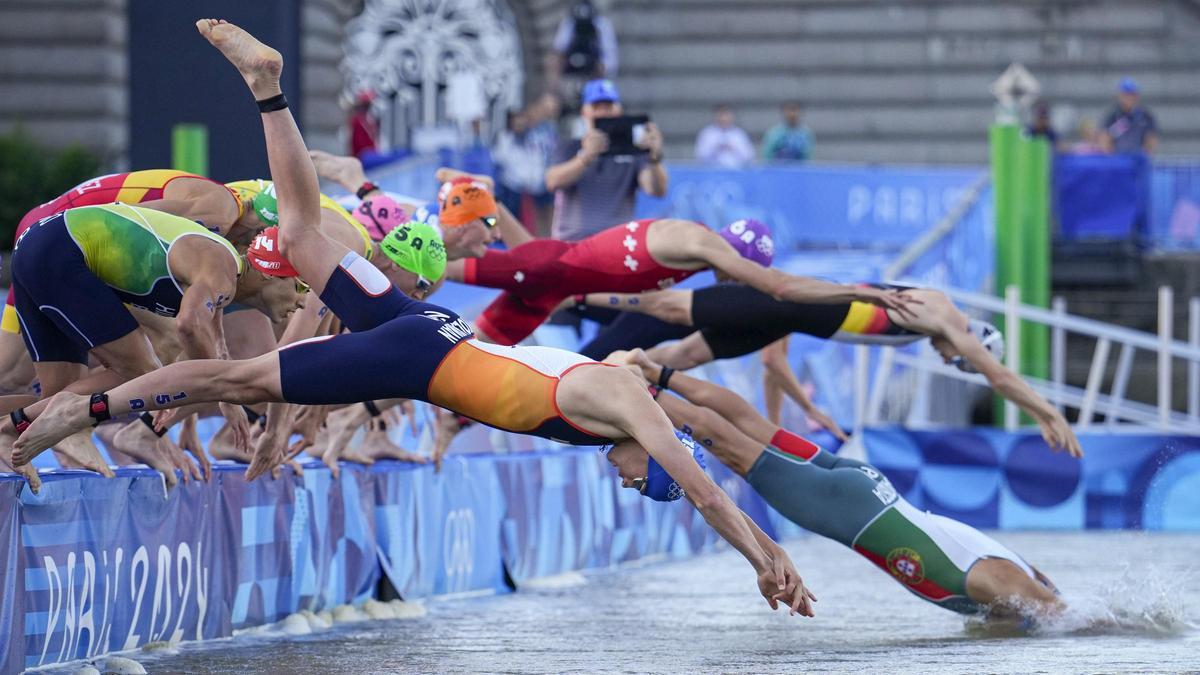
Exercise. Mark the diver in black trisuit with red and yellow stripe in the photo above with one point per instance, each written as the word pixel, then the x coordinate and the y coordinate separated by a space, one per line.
pixel 730 320
pixel 401 347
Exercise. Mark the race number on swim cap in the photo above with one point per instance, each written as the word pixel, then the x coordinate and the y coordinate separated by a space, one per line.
pixel 659 485
pixel 751 239
pixel 264 256
pixel 379 215
pixel 463 200
pixel 260 195
pixel 418 248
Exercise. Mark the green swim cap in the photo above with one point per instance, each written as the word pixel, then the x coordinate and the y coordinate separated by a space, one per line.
pixel 265 204
pixel 418 248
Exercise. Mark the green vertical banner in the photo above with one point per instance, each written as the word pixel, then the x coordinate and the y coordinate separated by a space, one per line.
pixel 189 148
pixel 1021 192
pixel 1035 246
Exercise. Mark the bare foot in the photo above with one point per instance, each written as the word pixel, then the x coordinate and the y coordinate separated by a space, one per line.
pixel 64 415
pixel 138 442
pixel 345 171
pixel 106 432
pixel 27 471
pixel 80 452
pixel 221 446
pixel 377 445
pixel 446 428
pixel 340 426
pixel 259 64
pixel 168 447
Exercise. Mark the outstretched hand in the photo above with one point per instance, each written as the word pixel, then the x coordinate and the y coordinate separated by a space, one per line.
pixel 896 300
pixel 1059 436
pixel 791 589
pixel 826 422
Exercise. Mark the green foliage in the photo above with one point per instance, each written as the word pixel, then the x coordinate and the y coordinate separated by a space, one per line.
pixel 31 174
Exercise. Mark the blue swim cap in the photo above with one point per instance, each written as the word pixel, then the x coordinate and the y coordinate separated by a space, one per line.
pixel 659 485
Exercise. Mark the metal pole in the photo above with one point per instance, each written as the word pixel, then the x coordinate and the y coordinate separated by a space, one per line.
pixel 1058 352
pixel 1095 376
pixel 1120 384
pixel 1194 365
pixel 1012 329
pixel 1165 331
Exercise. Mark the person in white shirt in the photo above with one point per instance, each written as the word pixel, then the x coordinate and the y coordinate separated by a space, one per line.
pixel 723 143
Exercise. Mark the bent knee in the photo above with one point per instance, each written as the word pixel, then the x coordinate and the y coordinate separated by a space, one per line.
pixel 994 581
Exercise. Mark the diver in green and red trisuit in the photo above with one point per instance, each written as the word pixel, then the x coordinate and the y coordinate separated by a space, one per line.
pixel 938 559
pixel 76 271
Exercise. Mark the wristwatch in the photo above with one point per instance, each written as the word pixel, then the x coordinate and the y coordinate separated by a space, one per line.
pixel 366 189
pixel 655 159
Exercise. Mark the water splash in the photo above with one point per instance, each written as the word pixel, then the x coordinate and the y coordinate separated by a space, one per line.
pixel 1142 601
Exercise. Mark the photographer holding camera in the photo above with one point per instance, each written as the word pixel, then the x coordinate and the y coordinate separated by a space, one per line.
pixel 596 179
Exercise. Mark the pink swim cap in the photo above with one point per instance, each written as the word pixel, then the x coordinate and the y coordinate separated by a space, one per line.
pixel 380 215
pixel 751 239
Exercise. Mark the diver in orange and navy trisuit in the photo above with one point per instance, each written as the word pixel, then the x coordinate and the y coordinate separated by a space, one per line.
pixel 405 348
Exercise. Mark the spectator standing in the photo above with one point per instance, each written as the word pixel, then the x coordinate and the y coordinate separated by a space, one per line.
pixel 723 142
pixel 1041 127
pixel 585 48
pixel 521 153
pixel 1130 126
pixel 364 126
pixel 790 140
pixel 595 190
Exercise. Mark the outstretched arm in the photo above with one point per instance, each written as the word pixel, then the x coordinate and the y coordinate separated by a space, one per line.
pixel 711 248
pixel 1055 430
pixel 720 400
pixel 778 374
pixel 670 306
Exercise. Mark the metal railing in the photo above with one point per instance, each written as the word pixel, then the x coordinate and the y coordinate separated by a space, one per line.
pixel 1090 400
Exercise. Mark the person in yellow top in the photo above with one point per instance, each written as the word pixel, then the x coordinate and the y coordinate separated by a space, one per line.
pixel 194 197
pixel 75 273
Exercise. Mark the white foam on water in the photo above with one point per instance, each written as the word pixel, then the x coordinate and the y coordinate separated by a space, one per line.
pixel 121 665
pixel 1148 603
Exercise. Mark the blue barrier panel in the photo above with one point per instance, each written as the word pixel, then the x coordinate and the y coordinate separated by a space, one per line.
pixel 863 206
pixel 1175 205
pixel 991 479
pixel 1101 197
pixel 96 565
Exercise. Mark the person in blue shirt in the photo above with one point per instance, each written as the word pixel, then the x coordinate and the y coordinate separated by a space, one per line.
pixel 789 140
pixel 1130 126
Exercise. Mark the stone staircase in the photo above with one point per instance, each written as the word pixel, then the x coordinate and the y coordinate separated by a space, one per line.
pixel 890 81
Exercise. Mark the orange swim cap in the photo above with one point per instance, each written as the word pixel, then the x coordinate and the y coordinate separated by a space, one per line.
pixel 463 200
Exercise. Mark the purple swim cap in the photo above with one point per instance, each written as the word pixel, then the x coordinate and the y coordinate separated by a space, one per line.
pixel 751 239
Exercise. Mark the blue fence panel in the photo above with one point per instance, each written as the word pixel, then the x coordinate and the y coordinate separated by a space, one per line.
pixel 991 479
pixel 1175 205
pixel 95 565
pixel 1101 197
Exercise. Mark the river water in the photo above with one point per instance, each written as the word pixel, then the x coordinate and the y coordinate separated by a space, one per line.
pixel 1135 607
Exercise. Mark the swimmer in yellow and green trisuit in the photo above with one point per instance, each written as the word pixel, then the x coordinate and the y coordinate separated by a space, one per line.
pixel 77 270
pixel 728 320
pixel 184 194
